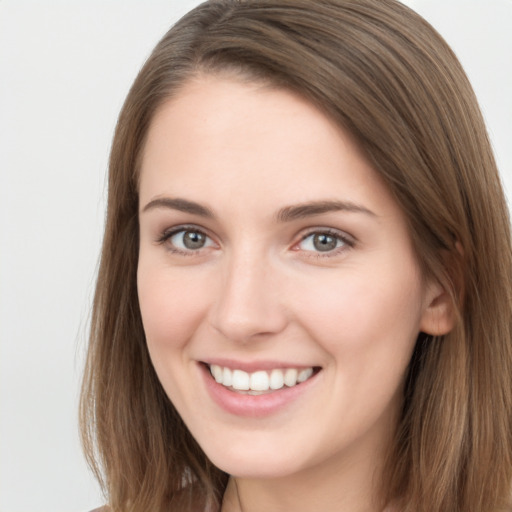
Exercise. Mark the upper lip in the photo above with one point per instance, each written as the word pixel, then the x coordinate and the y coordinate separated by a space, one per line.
pixel 253 366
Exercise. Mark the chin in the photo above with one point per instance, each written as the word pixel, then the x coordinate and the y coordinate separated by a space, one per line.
pixel 257 460
pixel 257 469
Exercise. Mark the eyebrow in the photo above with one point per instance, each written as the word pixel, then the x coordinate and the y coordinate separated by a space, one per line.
pixel 286 214
pixel 310 209
pixel 182 205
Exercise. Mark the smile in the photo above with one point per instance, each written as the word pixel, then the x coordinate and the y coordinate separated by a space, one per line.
pixel 261 381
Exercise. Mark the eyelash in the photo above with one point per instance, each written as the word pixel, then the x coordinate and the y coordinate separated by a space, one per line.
pixel 347 241
pixel 168 234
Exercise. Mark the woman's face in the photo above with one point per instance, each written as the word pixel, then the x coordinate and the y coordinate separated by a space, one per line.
pixel 273 257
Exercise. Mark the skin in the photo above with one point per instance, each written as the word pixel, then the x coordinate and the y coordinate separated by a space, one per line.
pixel 260 290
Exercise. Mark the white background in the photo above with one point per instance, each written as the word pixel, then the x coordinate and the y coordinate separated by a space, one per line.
pixel 65 68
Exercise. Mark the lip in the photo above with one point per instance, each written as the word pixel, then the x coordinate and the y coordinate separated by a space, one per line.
pixel 254 406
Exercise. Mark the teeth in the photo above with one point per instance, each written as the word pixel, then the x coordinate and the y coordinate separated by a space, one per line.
pixel 240 380
pixel 217 373
pixel 290 377
pixel 276 379
pixel 261 380
pixel 304 374
pixel 227 377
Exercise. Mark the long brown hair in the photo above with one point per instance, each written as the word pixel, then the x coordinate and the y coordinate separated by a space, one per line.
pixel 387 77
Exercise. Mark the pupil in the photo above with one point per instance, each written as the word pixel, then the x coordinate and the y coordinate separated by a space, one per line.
pixel 324 242
pixel 193 240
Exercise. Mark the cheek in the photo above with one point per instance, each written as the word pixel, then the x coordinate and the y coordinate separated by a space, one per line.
pixel 171 308
pixel 367 324
pixel 365 315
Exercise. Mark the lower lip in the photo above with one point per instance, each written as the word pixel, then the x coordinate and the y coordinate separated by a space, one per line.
pixel 253 406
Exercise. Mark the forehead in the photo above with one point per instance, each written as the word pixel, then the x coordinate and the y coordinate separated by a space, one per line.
pixel 222 139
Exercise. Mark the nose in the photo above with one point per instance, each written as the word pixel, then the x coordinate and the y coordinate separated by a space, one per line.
pixel 249 304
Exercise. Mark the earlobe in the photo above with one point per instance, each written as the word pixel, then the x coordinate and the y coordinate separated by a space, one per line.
pixel 439 314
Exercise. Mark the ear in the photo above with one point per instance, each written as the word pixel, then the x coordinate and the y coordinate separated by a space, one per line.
pixel 438 316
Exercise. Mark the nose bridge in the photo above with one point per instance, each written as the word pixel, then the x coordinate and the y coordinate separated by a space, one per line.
pixel 248 303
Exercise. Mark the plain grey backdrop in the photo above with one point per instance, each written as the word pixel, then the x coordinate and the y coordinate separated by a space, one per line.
pixel 65 68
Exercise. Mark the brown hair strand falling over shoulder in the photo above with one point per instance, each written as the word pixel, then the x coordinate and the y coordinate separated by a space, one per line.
pixel 385 76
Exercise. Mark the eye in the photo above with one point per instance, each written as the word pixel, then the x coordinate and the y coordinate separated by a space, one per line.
pixel 186 240
pixel 324 242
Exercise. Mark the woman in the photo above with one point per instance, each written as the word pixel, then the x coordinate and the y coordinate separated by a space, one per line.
pixel 304 295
